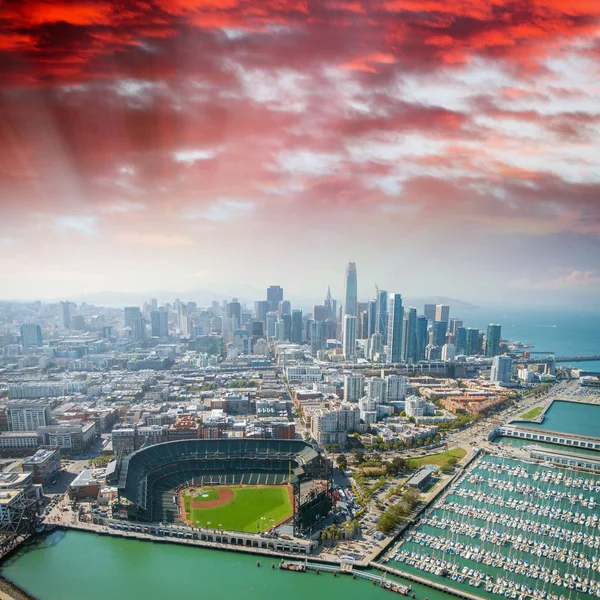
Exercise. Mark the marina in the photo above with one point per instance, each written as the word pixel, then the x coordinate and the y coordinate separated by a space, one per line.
pixel 509 528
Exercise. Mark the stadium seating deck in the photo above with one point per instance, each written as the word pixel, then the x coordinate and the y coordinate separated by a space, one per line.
pixel 149 476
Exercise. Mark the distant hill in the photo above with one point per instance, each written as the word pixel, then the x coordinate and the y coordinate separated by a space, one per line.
pixel 454 303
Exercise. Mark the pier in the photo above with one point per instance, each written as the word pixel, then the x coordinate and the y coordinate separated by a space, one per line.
pixel 347 569
pixel 553 437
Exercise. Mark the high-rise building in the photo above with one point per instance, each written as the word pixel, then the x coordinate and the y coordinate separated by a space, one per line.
pixel 429 311
pixel 460 340
pixel 27 416
pixel 318 336
pixel 501 369
pixel 130 314
pixel 286 324
pixel 284 308
pixel 375 345
pixel 351 291
pixel 409 336
pixel 372 323
pixel 363 325
pixel 448 352
pixel 320 312
pixel 234 312
pixel 453 325
pixel 296 336
pixel 472 341
pixel 396 387
pixel 395 321
pixel 31 335
pixel 438 333
pixel 382 314
pixel 349 337
pixel 271 321
pixel 442 312
pixel 261 308
pixel 492 340
pixel 353 387
pixel 376 387
pixel 421 337
pixel 274 297
pixel 154 304
pixel 65 315
pixel 160 323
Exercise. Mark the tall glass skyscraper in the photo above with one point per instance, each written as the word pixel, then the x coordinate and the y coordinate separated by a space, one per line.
pixel 421 337
pixel 409 336
pixel 394 332
pixel 492 340
pixel 382 314
pixel 351 291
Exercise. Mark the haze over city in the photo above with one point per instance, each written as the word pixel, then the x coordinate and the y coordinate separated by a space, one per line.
pixel 449 148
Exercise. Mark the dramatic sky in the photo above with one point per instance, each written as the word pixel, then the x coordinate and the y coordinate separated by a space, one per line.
pixel 448 147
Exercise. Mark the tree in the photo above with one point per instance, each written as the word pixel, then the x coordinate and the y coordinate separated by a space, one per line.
pixel 360 457
pixel 342 462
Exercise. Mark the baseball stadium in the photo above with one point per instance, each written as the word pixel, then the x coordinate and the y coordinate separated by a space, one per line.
pixel 248 485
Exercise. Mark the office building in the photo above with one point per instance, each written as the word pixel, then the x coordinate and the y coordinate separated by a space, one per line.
pixel 134 320
pixel 492 340
pixel 65 315
pixel 409 336
pixel 438 333
pixel 351 291
pixel 460 340
pixel 261 308
pixel 284 308
pixel 154 304
pixel 429 311
pixel 320 312
pixel 453 325
pixel 375 346
pixel 296 336
pixel 31 335
pixel 274 297
pixel 448 352
pixel 318 336
pixel 271 322
pixel 472 341
pixel 349 337
pixel 421 337
pixel 395 322
pixel 501 369
pixel 27 416
pixel 353 387
pixel 382 314
pixel 372 318
pixel 442 312
pixel 160 323
pixel 44 465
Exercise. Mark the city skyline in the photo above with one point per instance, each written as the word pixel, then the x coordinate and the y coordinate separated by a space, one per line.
pixel 184 145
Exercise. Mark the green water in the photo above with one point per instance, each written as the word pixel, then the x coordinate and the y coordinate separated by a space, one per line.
pixel 570 417
pixel 84 566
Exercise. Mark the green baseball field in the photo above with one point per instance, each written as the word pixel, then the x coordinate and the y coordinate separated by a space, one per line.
pixel 237 508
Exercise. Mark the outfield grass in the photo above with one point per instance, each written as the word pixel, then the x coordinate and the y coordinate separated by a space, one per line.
pixel 438 459
pixel 245 511
pixel 533 413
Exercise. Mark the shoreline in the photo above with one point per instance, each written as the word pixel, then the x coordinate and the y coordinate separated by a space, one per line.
pixel 11 591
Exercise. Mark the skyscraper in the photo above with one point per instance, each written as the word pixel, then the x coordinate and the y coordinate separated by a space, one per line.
pixel 31 335
pixel 375 345
pixel 442 312
pixel 438 333
pixel 130 314
pixel 372 324
pixel 234 311
pixel 382 314
pixel 349 337
pixel 429 311
pixel 421 337
pixel 351 291
pixel 318 336
pixel 65 315
pixel 296 336
pixel 460 340
pixel 472 341
pixel 394 331
pixel 501 369
pixel 271 321
pixel 353 387
pixel 284 308
pixel 261 308
pixel 492 340
pixel 453 325
pixel 286 321
pixel 160 323
pixel 409 336
pixel 274 296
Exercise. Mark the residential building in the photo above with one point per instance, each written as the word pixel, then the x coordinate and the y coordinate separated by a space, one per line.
pixel 501 369
pixel 31 335
pixel 382 314
pixel 353 387
pixel 160 323
pixel 395 321
pixel 349 337
pixel 492 340
pixel 27 416
pixel 442 313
